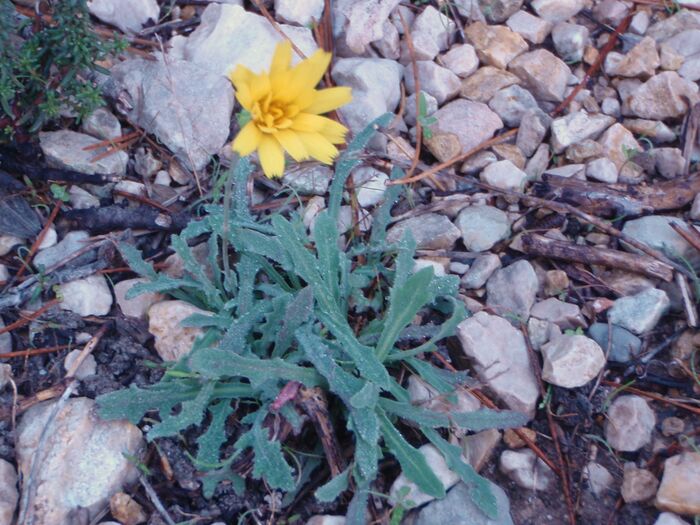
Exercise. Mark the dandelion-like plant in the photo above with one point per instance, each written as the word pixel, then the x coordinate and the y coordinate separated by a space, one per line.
pixel 285 110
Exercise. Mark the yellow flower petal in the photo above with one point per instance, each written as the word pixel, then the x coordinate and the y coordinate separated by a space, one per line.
pixel 241 78
pixel 271 156
pixel 308 122
pixel 334 131
pixel 247 140
pixel 325 100
pixel 318 147
pixel 314 67
pixel 292 144
pixel 282 58
pixel 259 86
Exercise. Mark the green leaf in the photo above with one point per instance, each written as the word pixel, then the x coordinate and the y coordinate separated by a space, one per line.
pixel 413 463
pixel 357 509
pixel 211 480
pixel 191 413
pixel 333 488
pixel 299 311
pixel 485 418
pixel 269 462
pixel 421 416
pixel 209 443
pixel 135 261
pixel 366 398
pixel 404 303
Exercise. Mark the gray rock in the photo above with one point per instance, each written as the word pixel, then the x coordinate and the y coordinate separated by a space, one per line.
pixel 431 106
pixel 619 145
pixel 64 149
pixel 370 185
pixel 469 123
pixel 624 347
pixel 187 107
pixel 308 180
pixel 584 151
pixel 473 165
pixel 145 164
pixel 481 269
pixel 500 359
pixel 87 368
pixel 71 243
pixel 511 290
pixel 666 95
pixel 668 518
pixel 302 13
pixel 545 75
pixel 227 36
pixel 676 493
pixel 569 41
pixel 639 23
pixel 137 306
pixel 655 130
pixel 172 340
pixel 641 312
pixel 72 476
pixel 459 509
pixel 557 10
pixel 102 124
pixel 656 232
pixel 538 163
pixel 571 361
pixel 5 340
pixel 461 60
pixel 576 171
pixel 435 80
pixel 669 162
pixel 511 103
pixel 483 85
pixel 611 12
pixel 81 199
pixel 88 296
pixel 128 15
pixel 370 99
pixel 8 492
pixel 479 447
pixel 673 25
pixel 564 315
pixel 533 128
pixel 496 45
pixel 638 484
pixel 431 32
pixel 641 61
pixel 430 231
pixel 532 28
pixel 629 424
pixel 389 45
pixel 598 477
pixel 498 11
pixel 526 469
pixel 482 227
pixel 603 170
pixel 695 208
pixel 362 22
pixel 504 175
pixel 611 106
pixel 577 127
pixel 541 332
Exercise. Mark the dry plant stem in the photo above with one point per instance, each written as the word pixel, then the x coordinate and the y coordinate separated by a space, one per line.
pixel 610 44
pixel 314 403
pixel 539 245
pixel 690 234
pixel 690 135
pixel 277 27
pixel 691 312
pixel 563 465
pixel 143 200
pixel 655 397
pixel 30 317
pixel 26 517
pixel 416 81
pixel 663 4
pixel 114 142
pixel 490 404
pixel 155 500
pixel 34 351
pixel 39 240
pixel 459 158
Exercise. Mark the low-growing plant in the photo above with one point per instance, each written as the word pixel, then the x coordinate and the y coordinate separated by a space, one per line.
pixel 280 316
pixel 46 64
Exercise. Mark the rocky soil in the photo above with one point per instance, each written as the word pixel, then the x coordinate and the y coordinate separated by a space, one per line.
pixel 554 149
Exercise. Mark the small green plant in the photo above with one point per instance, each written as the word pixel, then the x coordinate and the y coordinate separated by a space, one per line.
pixel 59 192
pixel 279 318
pixel 47 73
pixel 423 119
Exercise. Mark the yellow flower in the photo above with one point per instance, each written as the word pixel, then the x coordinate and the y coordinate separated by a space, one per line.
pixel 285 110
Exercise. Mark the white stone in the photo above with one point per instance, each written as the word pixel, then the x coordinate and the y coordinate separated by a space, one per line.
pixel 438 269
pixel 362 22
pixel 431 106
pixel 526 469
pixel 530 27
pixel 438 466
pixel 557 10
pixel 64 149
pixel 680 483
pixel 637 484
pixel 482 227
pixel 435 80
pixel 504 175
pixel 8 242
pixel 461 60
pixel 570 40
pixel 641 312
pixel 544 74
pixel 480 271
pixel 228 36
pixel 324 519
pixel 511 291
pixel 424 395
pixel 501 359
pixel 430 231
pixel 302 12
pixel 4 273
pixel 603 170
pixel 495 45
pixel 172 340
pixel 571 361
pixel 629 424
pixel 88 296
pixel 83 461
pixel 81 199
pixel 666 95
pixel 73 241
pixel 137 306
pixel 128 15
pixel 599 479
pixel 102 124
pixel 667 518
pixel 87 368
pixel 50 238
pixel 577 127
pixel 370 185
pixel 8 492
pixel 479 447
pixel 431 33
pixel 695 208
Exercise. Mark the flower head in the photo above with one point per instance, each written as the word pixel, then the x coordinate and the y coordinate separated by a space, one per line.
pixel 285 108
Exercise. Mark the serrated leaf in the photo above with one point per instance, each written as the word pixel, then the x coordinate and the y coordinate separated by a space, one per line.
pixel 326 239
pixel 135 260
pixel 133 402
pixel 269 462
pixel 366 398
pixel 209 443
pixel 217 363
pixel 479 489
pixel 486 418
pixel 211 480
pixel 297 312
pixel 333 488
pixel 413 464
pixel 191 413
pixel 421 416
pixel 404 303
pixel 443 381
pixel 382 215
